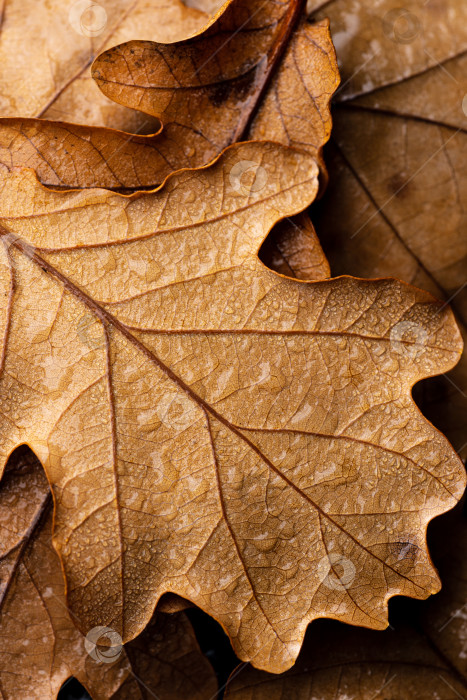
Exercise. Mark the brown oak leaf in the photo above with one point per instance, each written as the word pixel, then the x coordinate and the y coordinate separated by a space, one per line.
pixel 209 91
pixel 213 429
pixel 216 88
pixel 253 78
pixel 40 646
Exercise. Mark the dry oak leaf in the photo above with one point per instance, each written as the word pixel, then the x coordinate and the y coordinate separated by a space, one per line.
pixel 209 91
pixel 41 648
pixel 257 72
pixel 213 429
pixel 46 50
pixel 383 42
pixel 397 199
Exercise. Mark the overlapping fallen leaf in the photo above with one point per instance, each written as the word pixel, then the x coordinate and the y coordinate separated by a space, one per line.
pixel 225 414
pixel 341 662
pixel 41 648
pixel 397 197
pixel 204 103
pixel 444 621
pixel 262 79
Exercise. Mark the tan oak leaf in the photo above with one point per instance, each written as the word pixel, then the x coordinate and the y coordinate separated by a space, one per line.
pixel 210 428
pixel 253 74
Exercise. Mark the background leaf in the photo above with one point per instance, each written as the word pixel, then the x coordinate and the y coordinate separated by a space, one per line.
pixel 398 181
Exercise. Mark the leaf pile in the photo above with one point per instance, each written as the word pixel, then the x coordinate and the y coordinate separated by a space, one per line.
pixel 214 433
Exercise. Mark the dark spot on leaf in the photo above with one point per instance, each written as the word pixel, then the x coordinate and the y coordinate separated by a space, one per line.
pixel 398 185
pixel 238 89
pixel 404 550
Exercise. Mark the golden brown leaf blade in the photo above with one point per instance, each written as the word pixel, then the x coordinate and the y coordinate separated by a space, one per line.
pixel 422 655
pixel 226 415
pixel 77 156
